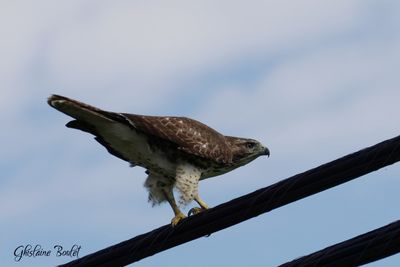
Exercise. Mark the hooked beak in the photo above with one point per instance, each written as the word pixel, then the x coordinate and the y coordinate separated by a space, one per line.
pixel 266 152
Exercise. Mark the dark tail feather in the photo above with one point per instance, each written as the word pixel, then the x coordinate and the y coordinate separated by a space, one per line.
pixel 81 125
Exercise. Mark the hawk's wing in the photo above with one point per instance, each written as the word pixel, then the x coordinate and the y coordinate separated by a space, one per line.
pixel 88 119
pixel 190 135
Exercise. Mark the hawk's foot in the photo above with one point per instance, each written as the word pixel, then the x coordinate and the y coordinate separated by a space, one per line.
pixel 178 217
pixel 195 210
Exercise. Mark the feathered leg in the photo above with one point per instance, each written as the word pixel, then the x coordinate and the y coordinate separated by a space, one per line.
pixel 160 190
pixel 171 200
pixel 187 181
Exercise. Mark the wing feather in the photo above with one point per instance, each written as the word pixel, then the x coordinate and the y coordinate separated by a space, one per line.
pixel 190 135
pixel 86 119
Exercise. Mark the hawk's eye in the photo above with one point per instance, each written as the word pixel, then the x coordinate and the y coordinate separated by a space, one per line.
pixel 250 145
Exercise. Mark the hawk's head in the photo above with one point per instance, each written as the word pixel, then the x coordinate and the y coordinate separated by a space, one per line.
pixel 245 150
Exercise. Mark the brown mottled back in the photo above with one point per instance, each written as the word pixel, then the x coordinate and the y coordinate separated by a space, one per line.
pixel 190 135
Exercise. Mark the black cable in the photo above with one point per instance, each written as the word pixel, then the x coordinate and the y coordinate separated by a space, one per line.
pixel 248 206
pixel 363 249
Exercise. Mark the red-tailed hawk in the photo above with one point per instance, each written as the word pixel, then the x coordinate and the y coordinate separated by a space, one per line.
pixel 177 152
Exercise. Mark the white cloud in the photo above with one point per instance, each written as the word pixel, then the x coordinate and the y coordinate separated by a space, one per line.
pixel 139 54
pixel 345 89
pixel 311 108
pixel 145 51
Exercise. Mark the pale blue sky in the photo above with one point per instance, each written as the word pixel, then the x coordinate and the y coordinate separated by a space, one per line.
pixel 313 80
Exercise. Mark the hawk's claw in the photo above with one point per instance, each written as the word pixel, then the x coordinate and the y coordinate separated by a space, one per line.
pixel 194 211
pixel 178 217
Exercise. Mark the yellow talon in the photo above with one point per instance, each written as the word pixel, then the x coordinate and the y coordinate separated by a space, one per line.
pixel 178 217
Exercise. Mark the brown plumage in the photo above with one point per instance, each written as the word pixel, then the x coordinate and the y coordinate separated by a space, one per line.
pixel 176 151
pixel 190 135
